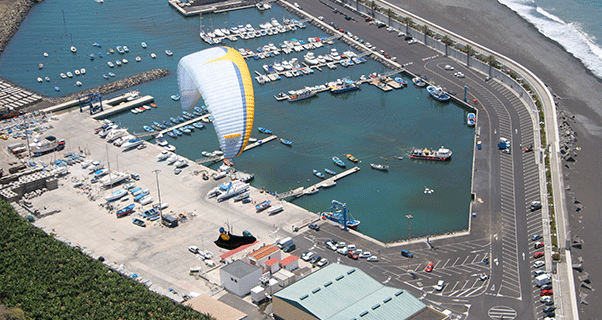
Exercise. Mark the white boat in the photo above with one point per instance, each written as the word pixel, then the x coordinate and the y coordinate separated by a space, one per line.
pixel 172 159
pixel 69 74
pixel 114 178
pixel 78 83
pixel 153 55
pixel 278 66
pixel 163 155
pixel 116 195
pixel 275 209
pixel 42 146
pixel 328 184
pixel 125 61
pixel 181 163
pixel 310 58
pixel 132 143
pixel 73 49
pixel 40 80
pixel 115 133
pixel 310 191
pixel 95 165
pixel 82 71
pixel 334 54
pixel 233 190
pixel 77 73
pixel 138 59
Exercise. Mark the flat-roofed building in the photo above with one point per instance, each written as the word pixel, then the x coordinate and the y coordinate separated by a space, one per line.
pixel 239 277
pixel 342 292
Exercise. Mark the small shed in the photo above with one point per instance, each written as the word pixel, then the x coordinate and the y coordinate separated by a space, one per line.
pixel 290 263
pixel 170 221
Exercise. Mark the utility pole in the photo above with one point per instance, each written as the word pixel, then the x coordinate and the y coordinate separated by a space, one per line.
pixel 156 171
pixel 409 217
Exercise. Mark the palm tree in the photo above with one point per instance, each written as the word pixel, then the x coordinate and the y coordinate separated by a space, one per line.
pixel 491 61
pixel 425 30
pixel 407 21
pixel 469 51
pixel 390 14
pixel 373 5
pixel 447 41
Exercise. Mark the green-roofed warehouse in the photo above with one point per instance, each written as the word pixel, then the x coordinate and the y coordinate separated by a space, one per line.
pixel 342 292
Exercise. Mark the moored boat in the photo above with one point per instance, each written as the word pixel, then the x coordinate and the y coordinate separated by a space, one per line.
pixel 471 119
pixel 339 218
pixel 438 94
pixel 380 167
pixel 318 174
pixel 286 142
pixel 264 130
pixel 351 158
pixel 442 154
pixel 330 172
pixel 338 162
pixel 301 95
pixel 419 82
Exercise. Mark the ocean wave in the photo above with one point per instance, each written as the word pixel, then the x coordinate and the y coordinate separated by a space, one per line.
pixel 570 35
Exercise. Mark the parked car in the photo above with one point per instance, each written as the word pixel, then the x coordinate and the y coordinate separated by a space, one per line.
pixel 352 255
pixel 549 308
pixel 135 176
pixel 407 253
pixel 315 259
pixel 343 251
pixel 459 75
pixel 549 315
pixel 408 37
pixel 536 237
pixel 545 299
pixel 372 259
pixel 483 277
pixel 440 285
pixel 538 264
pixel 322 262
pixel 546 292
pixel 546 287
pixel 341 244
pixel 429 267
pixel 538 245
pixel 412 41
pixel 539 272
pixel 289 248
pixel 535 205
pixel 193 249
pixel 365 254
pixel 538 255
pixel 314 226
pixel 448 67
pixel 306 256
pixel 333 247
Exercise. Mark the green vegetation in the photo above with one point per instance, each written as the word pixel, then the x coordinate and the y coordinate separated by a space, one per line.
pixel 47 279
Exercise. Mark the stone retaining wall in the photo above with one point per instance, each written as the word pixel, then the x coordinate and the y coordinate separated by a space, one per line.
pixel 11 20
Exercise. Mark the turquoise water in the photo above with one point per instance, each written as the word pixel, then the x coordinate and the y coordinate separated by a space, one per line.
pixel 372 125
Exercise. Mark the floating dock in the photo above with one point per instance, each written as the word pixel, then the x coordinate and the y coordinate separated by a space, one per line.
pixel 126 106
pixel 299 191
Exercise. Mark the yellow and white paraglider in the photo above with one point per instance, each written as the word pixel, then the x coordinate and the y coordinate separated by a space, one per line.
pixel 221 76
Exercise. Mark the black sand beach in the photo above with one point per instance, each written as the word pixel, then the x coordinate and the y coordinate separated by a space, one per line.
pixel 495 26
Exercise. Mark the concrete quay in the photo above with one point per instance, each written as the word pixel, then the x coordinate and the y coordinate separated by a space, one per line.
pixel 156 253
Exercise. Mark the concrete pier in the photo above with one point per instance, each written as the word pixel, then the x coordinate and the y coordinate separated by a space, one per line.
pixel 299 191
pixel 111 110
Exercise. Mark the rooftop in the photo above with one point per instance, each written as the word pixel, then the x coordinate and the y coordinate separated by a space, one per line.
pixel 271 261
pixel 263 252
pixel 357 296
pixel 239 269
pixel 288 260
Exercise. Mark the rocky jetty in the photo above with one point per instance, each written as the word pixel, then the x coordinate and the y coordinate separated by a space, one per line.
pixel 11 19
pixel 114 86
pixel 568 137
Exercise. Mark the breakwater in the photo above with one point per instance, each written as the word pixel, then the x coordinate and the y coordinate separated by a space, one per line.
pixel 11 19
pixel 114 86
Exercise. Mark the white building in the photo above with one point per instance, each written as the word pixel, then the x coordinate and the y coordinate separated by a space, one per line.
pixel 239 277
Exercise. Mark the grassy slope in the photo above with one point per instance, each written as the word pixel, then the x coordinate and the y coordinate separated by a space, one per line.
pixel 49 280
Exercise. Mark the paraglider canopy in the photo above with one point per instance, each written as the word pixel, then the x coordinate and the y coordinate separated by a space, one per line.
pixel 221 76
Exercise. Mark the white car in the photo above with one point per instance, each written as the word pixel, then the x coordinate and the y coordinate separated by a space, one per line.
pixel 538 264
pixel 332 247
pixel 459 74
pixel 448 67
pixel 372 259
pixel 412 41
pixel 320 18
pixel 208 254
pixel 193 249
pixel 322 262
pixel 365 254
pixel 393 59
pixel 341 244
pixel 343 251
pixel 351 247
pixel 307 256
pixel 440 285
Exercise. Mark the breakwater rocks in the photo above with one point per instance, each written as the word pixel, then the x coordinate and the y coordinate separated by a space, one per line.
pixel 115 85
pixel 11 19
pixel 568 137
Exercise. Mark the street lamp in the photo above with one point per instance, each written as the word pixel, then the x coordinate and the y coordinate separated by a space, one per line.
pixel 156 171
pixel 428 242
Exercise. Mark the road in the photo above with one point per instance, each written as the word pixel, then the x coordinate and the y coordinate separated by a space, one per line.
pixel 504 186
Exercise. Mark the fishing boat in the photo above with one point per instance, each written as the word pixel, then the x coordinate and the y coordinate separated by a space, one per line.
pixel 153 55
pixel 264 130
pixel 169 52
pixel 91 56
pixel 286 142
pixel 262 206
pixel 40 80
pixel 174 120
pixel 301 95
pixel 330 172
pixel 138 59
pixel 351 158
pixel 139 222
pixel 73 49
pixel 438 94
pixel 143 44
pixel 117 194
pixel 343 85
pixel 69 74
pixel 275 209
pixel 338 162
pixel 148 129
pixel 125 211
pixel 185 114
pixel 111 74
pixel 471 119
pixel 442 154
pixel 120 49
pixel 198 125
pixel 380 167
pixel 328 184
pixel 310 191
pixel 318 174
pixel 419 82
pixel 233 190
pixel 104 75
pixel 339 214
pixel 126 49
pixel 175 97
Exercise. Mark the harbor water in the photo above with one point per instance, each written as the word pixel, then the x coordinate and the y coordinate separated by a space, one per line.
pixel 372 125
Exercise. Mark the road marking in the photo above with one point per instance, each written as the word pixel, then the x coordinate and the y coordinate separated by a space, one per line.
pixel 502 312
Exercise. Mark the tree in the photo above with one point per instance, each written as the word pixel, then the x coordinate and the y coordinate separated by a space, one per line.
pixel 425 30
pixel 469 51
pixel 11 313
pixel 373 5
pixel 491 61
pixel 407 21
pixel 447 41
pixel 390 14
